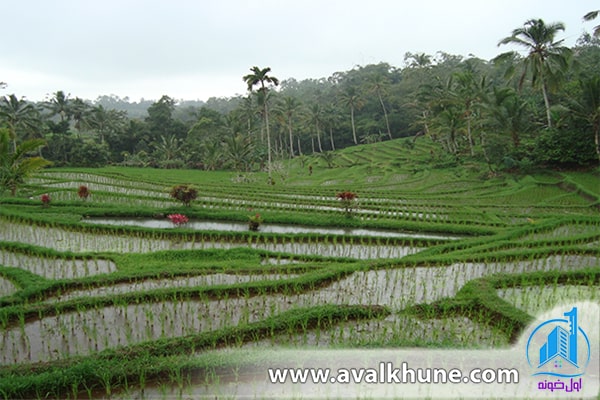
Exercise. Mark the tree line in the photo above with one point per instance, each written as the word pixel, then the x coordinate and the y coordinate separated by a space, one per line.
pixel 539 107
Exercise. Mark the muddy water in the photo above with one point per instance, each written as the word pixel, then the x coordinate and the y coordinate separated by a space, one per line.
pixel 152 284
pixel 537 299
pixel 266 228
pixel 84 332
pixel 57 268
pixel 6 287
pixel 63 240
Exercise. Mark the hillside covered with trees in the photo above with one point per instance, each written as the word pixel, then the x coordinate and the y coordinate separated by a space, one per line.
pixel 536 107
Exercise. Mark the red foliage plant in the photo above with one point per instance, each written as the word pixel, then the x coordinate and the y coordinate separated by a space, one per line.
pixel 45 198
pixel 83 192
pixel 347 199
pixel 184 193
pixel 347 195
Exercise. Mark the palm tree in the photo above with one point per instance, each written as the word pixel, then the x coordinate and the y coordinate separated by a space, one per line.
pixel 315 117
pixel 59 105
pixel 469 92
pixel 418 60
pixel 168 148
pixel 260 77
pixel 17 114
pixel 507 112
pixel 105 121
pixel 239 150
pixel 547 59
pixel 288 109
pixel 588 107
pixel 16 166
pixel 332 120
pixel 80 111
pixel 378 83
pixel 591 16
pixel 351 99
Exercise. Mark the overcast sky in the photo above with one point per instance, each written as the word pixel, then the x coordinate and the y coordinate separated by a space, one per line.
pixel 198 49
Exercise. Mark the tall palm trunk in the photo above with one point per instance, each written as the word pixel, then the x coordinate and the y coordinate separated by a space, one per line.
pixel 597 138
pixel 319 138
pixel 546 103
pixel 291 137
pixel 268 143
pixel 353 126
pixel 387 122
pixel 470 135
pixel 331 138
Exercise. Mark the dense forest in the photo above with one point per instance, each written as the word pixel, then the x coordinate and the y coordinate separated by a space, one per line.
pixel 536 107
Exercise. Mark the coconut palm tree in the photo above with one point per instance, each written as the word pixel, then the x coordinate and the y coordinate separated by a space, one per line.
pixel 506 112
pixel 587 107
pixel 591 16
pixel 350 98
pixel 315 118
pixel 378 84
pixel 261 77
pixel 546 60
pixel 80 111
pixel 289 108
pixel 17 114
pixel 17 165
pixel 59 105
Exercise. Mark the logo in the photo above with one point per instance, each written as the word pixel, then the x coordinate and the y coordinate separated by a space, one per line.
pixel 559 348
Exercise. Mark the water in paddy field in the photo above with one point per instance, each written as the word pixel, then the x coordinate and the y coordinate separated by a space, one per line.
pixel 57 268
pixel 6 287
pixel 154 284
pixel 266 228
pixel 64 240
pixel 84 332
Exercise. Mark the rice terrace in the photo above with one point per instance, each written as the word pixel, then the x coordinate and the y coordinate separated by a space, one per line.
pixel 92 307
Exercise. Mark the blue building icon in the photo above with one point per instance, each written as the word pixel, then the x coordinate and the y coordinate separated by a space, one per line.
pixel 561 343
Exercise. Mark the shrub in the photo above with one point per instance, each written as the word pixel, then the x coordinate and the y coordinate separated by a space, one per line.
pixel 347 201
pixel 254 222
pixel 83 192
pixel 184 193
pixel 45 198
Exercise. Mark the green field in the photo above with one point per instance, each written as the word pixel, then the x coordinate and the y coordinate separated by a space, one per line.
pixel 90 310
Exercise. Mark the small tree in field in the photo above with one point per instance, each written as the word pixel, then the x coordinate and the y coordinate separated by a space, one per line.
pixel 45 199
pixel 184 193
pixel 347 199
pixel 83 192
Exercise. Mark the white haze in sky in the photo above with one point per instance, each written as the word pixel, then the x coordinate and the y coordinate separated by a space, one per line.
pixel 200 49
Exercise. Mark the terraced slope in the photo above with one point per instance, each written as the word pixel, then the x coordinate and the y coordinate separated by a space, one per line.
pixel 459 260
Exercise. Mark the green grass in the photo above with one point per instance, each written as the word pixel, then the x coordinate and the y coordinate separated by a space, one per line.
pixel 502 220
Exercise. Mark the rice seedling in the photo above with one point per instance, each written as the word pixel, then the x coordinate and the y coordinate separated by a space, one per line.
pixel 418 245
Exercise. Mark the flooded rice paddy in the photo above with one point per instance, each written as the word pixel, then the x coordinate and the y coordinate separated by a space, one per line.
pixel 266 228
pixel 156 284
pixel 536 299
pixel 64 240
pixel 87 331
pixel 6 287
pixel 57 268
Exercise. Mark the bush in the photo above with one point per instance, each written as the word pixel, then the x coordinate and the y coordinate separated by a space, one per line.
pixel 83 192
pixel 184 193
pixel 564 147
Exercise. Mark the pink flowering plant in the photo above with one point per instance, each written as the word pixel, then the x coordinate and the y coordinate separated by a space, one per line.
pixel 178 219
pixel 45 198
